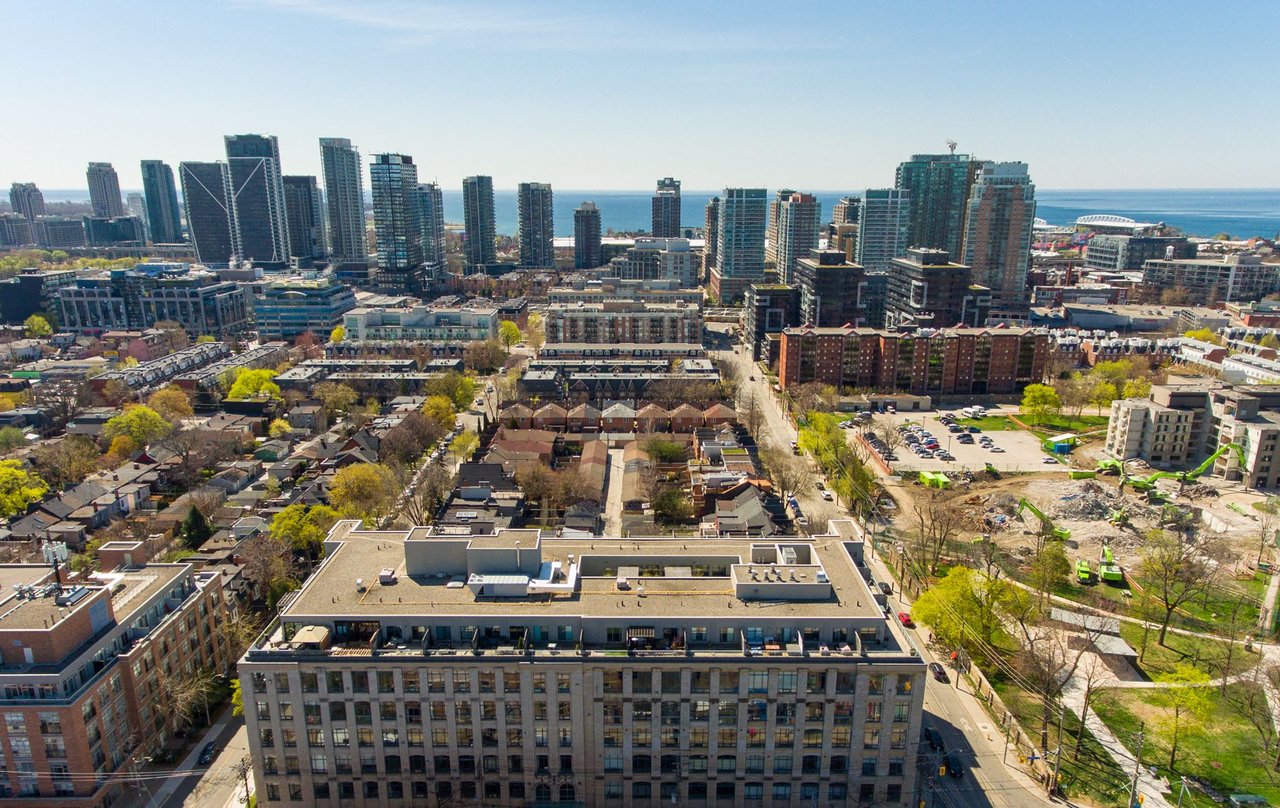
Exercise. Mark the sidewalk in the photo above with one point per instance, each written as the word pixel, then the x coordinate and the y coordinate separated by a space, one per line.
pixel 1153 787
pixel 185 774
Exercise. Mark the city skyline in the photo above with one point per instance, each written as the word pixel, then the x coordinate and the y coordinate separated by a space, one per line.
pixel 664 56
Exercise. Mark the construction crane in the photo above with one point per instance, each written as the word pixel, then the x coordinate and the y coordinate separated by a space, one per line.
pixel 951 144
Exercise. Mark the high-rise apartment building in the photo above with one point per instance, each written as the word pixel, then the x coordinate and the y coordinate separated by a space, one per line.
pixel 206 191
pixel 925 290
pixel 831 290
pixel 344 200
pixel 586 236
pixel 771 228
pixel 939 186
pixel 304 214
pixel 260 232
pixel 135 203
pixel 884 223
pixel 430 201
pixel 397 223
pixel 104 191
pixel 799 218
pixel 528 684
pixel 537 225
pixel 711 224
pixel 26 200
pixel 163 219
pixel 997 240
pixel 740 238
pixel 846 211
pixel 768 309
pixel 118 231
pixel 478 219
pixel 666 208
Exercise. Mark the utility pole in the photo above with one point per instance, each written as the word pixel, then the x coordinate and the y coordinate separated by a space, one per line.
pixel 242 769
pixel 1137 765
pixel 1182 791
pixel 1057 759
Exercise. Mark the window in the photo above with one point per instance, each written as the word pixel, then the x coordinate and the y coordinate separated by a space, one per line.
pixel 641 764
pixel 564 682
pixel 333 681
pixel 612 681
pixel 728 682
pixel 461 681
pixel 758 682
pixel 787 682
pixel 511 682
pixel 671 681
pixel 875 710
pixel 386 682
pixel 613 790
pixel 319 764
pixel 310 682
pixel 755 764
pixel 641 791
pixel 727 763
pixel 753 792
pixel 726 791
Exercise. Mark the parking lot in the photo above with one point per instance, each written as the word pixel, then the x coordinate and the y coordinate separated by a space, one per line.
pixel 1013 449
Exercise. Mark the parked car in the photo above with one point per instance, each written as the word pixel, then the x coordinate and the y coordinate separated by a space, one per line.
pixel 997 450
pixel 886 588
pixel 208 753
pixel 974 429
pixel 1049 461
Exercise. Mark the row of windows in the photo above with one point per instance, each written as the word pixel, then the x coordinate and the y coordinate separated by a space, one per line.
pixel 613 681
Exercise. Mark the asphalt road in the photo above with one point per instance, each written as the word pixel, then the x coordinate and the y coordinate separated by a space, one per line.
pixel 961 720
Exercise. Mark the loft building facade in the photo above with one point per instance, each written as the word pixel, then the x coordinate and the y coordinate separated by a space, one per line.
pixel 498 668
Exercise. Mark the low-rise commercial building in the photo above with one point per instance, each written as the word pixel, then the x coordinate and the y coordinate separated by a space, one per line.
pixel 953 361
pixel 436 664
pixel 293 306
pixel 143 295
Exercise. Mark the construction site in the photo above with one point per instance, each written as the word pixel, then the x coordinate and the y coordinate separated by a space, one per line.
pixel 1099 510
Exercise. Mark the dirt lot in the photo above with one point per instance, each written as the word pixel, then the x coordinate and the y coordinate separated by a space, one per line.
pixel 1022 450
pixel 1084 507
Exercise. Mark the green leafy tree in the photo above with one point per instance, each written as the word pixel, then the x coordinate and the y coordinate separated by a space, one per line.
pixel 664 451
pixel 237 698
pixel 303 528
pixel 1136 388
pixel 18 488
pixel 1204 335
pixel 1270 340
pixel 508 333
pixel 336 397
pixel 195 529
pixel 139 423
pixel 171 403
pixel 11 438
pixel 672 506
pixel 535 331
pixel 1041 402
pixel 464 446
pixel 1115 371
pixel 458 388
pixel 338 334
pixel 1102 394
pixel 967 609
pixel 364 491
pixel 440 411
pixel 1049 568
pixel 36 327
pixel 255 384
pixel 205 339
pixel 279 428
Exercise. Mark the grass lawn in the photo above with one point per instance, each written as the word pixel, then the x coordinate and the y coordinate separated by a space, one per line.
pixel 1059 424
pixel 991 423
pixel 1225 750
pixel 1206 654
pixel 1091 773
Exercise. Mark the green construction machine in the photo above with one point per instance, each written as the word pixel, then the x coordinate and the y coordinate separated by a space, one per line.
pixel 1145 484
pixel 1109 466
pixel 1084 572
pixel 1045 522
pixel 1108 569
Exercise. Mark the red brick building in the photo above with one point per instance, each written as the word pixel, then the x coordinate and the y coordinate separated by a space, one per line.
pixel 86 672
pixel 953 361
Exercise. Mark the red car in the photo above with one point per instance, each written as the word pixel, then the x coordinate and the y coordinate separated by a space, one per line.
pixel 905 619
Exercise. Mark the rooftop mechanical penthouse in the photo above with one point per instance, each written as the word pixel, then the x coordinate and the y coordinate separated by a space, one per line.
pixel 519 669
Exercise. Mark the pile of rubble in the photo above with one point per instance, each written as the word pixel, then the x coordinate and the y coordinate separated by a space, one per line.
pixel 1092 502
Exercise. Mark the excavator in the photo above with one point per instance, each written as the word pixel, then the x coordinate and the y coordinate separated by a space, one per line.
pixel 1145 484
pixel 1109 466
pixel 1108 569
pixel 1045 521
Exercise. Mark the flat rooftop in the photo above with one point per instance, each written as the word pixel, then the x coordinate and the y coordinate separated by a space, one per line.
pixel 130 591
pixel 686 577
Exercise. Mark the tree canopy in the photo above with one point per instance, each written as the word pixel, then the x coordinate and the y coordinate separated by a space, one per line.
pixel 336 397
pixel 440 411
pixel 139 423
pixel 966 608
pixel 458 388
pixel 11 438
pixel 195 529
pixel 36 327
pixel 363 491
pixel 303 528
pixel 1041 402
pixel 338 334
pixel 508 333
pixel 255 384
pixel 18 488
pixel 171 403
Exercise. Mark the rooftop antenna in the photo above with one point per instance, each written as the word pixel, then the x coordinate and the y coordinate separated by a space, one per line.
pixel 951 144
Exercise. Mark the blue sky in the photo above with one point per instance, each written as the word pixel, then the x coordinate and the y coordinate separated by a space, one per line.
pixel 613 95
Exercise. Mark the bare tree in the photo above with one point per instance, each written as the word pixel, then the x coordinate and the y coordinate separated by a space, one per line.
pixel 938 520
pixel 265 562
pixel 789 473
pixel 890 437
pixel 1091 670
pixel 754 419
pixel 238 628
pixel 186 695
pixel 1251 703
pixel 1175 570
pixel 1268 525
